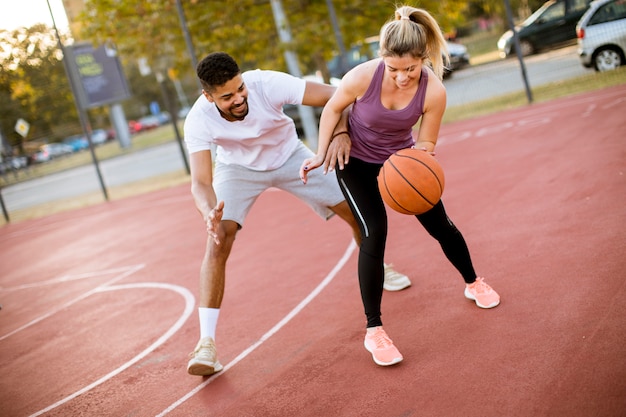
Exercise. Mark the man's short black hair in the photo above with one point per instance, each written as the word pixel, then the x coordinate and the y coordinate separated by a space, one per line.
pixel 216 69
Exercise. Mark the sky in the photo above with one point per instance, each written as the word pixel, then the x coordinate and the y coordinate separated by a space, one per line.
pixel 25 13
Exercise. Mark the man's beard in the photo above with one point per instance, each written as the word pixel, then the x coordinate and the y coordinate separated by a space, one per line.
pixel 230 116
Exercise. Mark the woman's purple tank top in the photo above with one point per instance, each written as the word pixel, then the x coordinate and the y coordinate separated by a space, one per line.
pixel 378 132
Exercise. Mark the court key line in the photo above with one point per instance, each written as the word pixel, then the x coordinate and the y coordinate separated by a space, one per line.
pixel 331 275
pixel 189 306
pixel 126 271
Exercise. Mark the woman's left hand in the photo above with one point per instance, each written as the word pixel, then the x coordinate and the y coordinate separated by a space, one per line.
pixel 425 150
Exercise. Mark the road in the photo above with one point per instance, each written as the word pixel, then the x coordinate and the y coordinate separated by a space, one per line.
pixel 503 77
pixel 465 86
pixel 127 168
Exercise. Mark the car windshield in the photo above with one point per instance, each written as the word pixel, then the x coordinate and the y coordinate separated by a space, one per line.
pixel 355 56
pixel 547 12
pixel 579 5
pixel 609 12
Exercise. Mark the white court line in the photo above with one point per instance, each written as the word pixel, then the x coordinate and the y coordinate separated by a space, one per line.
pixel 127 271
pixel 189 306
pixel 45 224
pixel 75 277
pixel 271 332
pixel 548 108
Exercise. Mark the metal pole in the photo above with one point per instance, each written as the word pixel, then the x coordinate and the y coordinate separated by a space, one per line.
pixel 284 33
pixel 168 102
pixel 4 209
pixel 342 47
pixel 190 49
pixel 509 15
pixel 81 114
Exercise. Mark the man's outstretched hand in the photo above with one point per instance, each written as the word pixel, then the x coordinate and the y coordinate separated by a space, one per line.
pixel 213 221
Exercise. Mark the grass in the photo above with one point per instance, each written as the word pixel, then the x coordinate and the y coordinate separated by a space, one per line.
pixel 590 82
pixel 482 47
pixel 108 150
pixel 115 193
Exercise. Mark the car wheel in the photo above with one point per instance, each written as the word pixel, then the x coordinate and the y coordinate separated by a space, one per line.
pixel 607 59
pixel 526 48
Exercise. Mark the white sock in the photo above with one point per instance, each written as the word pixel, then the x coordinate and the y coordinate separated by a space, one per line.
pixel 208 321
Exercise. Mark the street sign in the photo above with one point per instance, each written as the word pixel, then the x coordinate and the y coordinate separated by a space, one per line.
pixel 22 127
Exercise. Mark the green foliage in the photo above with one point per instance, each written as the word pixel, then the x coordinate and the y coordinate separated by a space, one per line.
pixel 152 29
pixel 34 85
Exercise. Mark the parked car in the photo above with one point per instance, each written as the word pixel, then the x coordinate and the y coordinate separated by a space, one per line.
pixel 56 149
pixel 80 142
pixel 553 24
pixel 602 35
pixel 148 122
pixel 40 156
pixel 12 163
pixel 49 151
pixel 459 57
pixel 182 113
pixel 164 118
pixel 99 136
pixel 77 142
pixel 134 126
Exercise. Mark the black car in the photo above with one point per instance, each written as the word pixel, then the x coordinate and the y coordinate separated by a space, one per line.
pixel 553 24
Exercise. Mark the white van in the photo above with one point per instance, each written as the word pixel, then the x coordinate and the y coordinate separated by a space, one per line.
pixel 602 35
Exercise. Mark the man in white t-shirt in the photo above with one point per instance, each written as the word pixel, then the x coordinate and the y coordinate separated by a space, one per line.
pixel 256 146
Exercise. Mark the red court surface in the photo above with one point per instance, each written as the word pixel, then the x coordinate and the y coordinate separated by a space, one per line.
pixel 98 304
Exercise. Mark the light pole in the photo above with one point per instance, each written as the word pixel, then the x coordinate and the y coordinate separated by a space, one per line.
pixel 342 47
pixel 284 33
pixel 81 114
pixel 518 50
pixel 188 42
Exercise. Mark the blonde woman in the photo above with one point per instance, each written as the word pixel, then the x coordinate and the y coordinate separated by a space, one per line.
pixel 389 95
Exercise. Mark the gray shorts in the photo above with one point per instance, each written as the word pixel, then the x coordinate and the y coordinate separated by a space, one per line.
pixel 239 187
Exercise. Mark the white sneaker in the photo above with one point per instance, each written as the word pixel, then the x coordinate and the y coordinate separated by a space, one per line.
pixel 395 281
pixel 204 358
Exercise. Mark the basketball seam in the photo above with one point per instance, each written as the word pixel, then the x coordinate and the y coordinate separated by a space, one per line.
pixel 390 195
pixel 421 162
pixel 409 182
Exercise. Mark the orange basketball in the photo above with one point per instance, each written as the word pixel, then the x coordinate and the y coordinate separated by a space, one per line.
pixel 411 181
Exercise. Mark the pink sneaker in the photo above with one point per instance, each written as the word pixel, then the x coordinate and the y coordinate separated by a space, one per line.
pixel 482 293
pixel 381 347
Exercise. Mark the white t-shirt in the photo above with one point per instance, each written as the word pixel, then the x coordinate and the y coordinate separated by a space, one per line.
pixel 265 138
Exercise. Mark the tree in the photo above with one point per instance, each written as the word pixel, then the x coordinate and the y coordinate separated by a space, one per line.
pixel 150 29
pixel 34 85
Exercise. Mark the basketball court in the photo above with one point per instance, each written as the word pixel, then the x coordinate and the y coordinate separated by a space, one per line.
pixel 99 304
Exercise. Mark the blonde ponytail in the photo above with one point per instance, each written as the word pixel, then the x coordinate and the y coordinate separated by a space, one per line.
pixel 415 32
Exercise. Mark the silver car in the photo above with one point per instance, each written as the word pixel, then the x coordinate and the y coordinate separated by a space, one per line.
pixel 601 35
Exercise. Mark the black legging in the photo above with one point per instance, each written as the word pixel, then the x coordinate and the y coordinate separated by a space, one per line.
pixel 360 187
